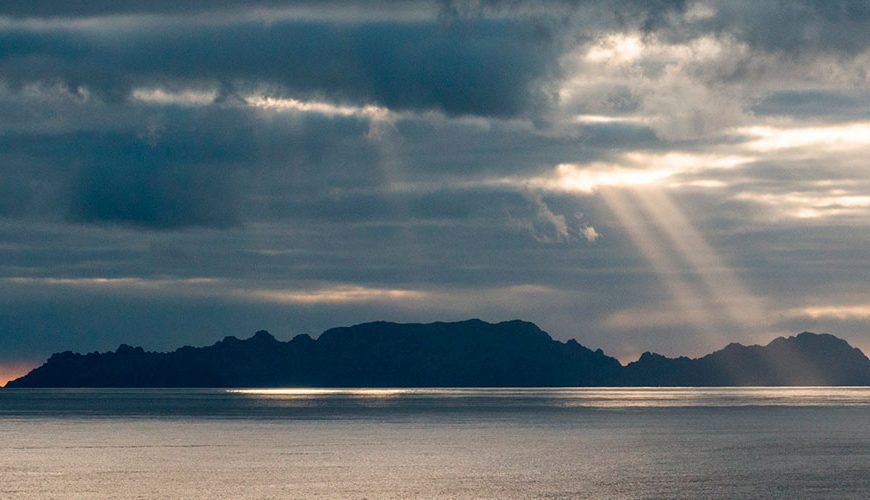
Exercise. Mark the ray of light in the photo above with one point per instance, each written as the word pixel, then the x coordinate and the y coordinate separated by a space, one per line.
pixel 740 307
pixel 681 290
pixel 724 300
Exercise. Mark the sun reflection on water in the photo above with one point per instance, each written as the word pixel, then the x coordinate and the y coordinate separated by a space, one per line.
pixel 306 391
pixel 583 397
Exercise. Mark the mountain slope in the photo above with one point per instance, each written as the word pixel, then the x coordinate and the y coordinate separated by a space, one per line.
pixel 805 359
pixel 466 353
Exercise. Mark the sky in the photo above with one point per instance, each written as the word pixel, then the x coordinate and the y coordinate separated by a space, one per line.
pixel 665 176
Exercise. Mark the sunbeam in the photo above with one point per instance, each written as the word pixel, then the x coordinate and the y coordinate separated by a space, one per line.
pixel 730 298
pixel 684 294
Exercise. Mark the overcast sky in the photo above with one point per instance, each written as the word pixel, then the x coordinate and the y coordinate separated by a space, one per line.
pixel 638 175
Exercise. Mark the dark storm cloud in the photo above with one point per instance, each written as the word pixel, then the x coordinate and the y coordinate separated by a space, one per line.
pixel 165 167
pixel 154 195
pixel 124 177
pixel 483 67
pixel 172 167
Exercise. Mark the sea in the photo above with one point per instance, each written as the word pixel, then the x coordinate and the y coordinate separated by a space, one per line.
pixel 806 442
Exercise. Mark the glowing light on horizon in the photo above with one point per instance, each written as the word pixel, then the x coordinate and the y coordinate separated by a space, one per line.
pixel 210 287
pixel 11 370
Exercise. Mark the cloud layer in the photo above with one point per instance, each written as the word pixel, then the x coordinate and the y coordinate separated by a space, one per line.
pixel 174 172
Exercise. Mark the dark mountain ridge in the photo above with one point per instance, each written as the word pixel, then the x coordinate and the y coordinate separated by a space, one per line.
pixel 469 353
pixel 805 359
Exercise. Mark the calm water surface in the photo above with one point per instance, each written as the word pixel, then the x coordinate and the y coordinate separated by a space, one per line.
pixel 452 443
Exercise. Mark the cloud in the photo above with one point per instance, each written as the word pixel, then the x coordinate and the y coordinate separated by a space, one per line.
pixel 258 9
pixel 842 312
pixel 172 167
pixel 590 233
pixel 546 226
pixel 491 68
pixel 330 163
pixel 823 139
pixel 820 103
pixel 154 194
pixel 835 26
pixel 227 290
pixel 154 180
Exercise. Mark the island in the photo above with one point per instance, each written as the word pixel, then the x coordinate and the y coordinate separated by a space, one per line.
pixel 470 353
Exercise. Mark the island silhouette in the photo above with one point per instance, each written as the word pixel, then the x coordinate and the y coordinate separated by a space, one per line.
pixel 470 353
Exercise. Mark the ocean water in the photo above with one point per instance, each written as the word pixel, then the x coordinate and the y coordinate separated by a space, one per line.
pixel 441 443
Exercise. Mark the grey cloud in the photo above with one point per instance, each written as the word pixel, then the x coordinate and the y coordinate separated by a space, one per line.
pixel 646 15
pixel 482 67
pixel 837 26
pixel 177 167
pixel 565 225
pixel 287 199
pixel 155 195
pixel 816 103
pixel 403 207
pixel 785 27
pixel 126 178
pixel 167 167
pixel 96 8
pixel 489 59
pixel 54 8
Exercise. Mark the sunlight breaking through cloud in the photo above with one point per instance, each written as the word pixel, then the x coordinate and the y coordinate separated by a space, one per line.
pixel 811 205
pixel 164 97
pixel 839 312
pixel 319 107
pixel 635 169
pixel 706 291
pixel 819 138
pixel 337 294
